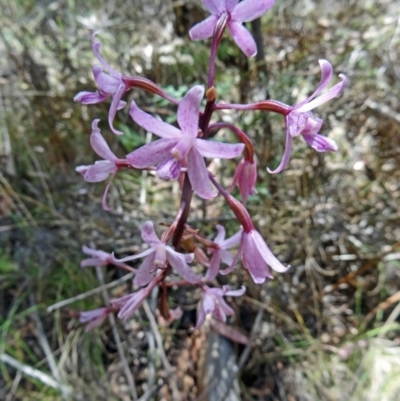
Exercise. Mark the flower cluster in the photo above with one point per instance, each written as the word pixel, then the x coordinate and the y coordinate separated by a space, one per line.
pixel 182 255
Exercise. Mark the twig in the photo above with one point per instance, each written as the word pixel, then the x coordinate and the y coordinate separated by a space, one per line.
pixel 164 359
pixel 46 347
pixel 86 294
pixel 39 375
pixel 121 353
pixel 236 369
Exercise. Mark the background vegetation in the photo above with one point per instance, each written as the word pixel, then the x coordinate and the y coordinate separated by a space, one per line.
pixel 327 330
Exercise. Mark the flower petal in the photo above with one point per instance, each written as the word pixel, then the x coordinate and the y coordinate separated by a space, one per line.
pixel 97 172
pixel 151 154
pixel 249 10
pixel 169 169
pixel 198 175
pixel 149 234
pixel 253 261
pixel 203 29
pixel 212 271
pixel 230 5
pixel 266 253
pixel 107 84
pixel 208 303
pixel 201 317
pixel 104 197
pixel 180 266
pixel 90 97
pixel 214 6
pixel 243 38
pixel 221 234
pixel 221 150
pixel 151 124
pixel 188 111
pixel 330 94
pixel 146 272
pixel 115 106
pixel 99 144
pixel 96 50
pixel 236 293
pixel 320 143
pixel 232 241
pixel 286 154
pixel 226 256
pixel 133 257
pixel 131 304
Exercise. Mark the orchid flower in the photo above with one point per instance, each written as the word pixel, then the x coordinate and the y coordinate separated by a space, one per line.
pixel 212 302
pixel 158 256
pixel 300 120
pixel 101 169
pixel 221 254
pixel 109 83
pixel 178 147
pixel 236 13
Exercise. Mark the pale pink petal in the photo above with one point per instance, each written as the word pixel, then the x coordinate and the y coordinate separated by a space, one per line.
pixel 221 150
pixel 133 257
pixel 151 124
pixel 330 94
pixel 249 10
pixel 93 262
pixel 151 154
pixel 169 169
pixel 233 241
pixel 97 172
pixel 96 50
pixel 234 263
pixel 230 5
pixel 90 97
pixel 286 155
pixel 224 308
pixel 221 234
pixel 226 256
pixel 201 317
pixel 208 303
pixel 266 253
pixel 198 175
pixel 114 107
pixel 146 272
pixel 214 6
pixel 320 143
pixel 104 198
pixel 149 234
pixel 132 303
pixel 203 29
pixel 253 261
pixel 243 38
pixel 212 271
pixel 188 111
pixel 180 266
pixel 236 293
pixel 326 76
pixel 99 144
pixel 107 84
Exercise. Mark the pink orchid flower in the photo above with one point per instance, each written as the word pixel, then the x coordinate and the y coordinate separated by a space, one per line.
pixel 212 302
pixel 236 13
pixel 158 256
pixel 109 83
pixel 180 147
pixel 100 170
pixel 300 120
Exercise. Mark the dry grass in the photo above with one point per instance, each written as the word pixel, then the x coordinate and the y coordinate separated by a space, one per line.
pixel 330 327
